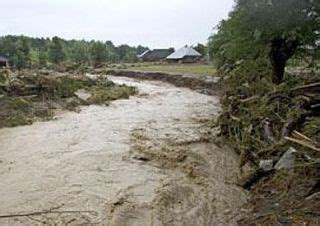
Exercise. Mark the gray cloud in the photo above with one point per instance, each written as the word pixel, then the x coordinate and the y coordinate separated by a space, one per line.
pixel 156 23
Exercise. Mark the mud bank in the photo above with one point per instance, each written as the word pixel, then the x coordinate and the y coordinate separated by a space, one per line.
pixel 207 85
pixel 148 160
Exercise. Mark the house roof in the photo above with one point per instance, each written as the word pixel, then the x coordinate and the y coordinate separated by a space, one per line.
pixel 184 52
pixel 156 54
pixel 143 54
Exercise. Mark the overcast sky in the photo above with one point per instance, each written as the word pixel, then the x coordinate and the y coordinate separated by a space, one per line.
pixel 153 23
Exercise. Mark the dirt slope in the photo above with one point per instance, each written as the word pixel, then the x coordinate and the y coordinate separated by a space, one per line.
pixel 143 161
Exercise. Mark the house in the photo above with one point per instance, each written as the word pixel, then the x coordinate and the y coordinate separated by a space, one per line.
pixel 4 62
pixel 185 55
pixel 155 55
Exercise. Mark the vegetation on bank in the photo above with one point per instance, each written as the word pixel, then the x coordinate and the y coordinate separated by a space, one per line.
pixel 268 52
pixel 26 52
pixel 30 95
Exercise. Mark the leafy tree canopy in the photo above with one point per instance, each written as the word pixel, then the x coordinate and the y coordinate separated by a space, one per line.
pixel 274 30
pixel 24 51
pixel 201 48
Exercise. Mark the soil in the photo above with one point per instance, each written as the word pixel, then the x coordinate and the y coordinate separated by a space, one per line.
pixel 148 160
pixel 210 85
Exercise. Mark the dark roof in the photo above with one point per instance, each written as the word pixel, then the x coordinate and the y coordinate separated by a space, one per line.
pixel 143 54
pixel 3 59
pixel 156 54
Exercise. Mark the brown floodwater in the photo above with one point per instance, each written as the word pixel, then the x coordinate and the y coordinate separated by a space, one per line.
pixel 148 160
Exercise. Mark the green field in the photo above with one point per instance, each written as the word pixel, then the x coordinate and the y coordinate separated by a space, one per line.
pixel 187 69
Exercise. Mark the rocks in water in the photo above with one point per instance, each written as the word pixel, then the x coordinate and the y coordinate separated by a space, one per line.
pixel 266 165
pixel 287 160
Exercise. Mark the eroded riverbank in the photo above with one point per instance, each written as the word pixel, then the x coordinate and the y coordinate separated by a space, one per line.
pixel 143 161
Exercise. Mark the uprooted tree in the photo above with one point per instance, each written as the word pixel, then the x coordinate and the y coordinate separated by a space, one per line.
pixel 274 30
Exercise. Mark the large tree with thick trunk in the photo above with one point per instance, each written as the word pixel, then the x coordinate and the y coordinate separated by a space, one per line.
pixel 274 29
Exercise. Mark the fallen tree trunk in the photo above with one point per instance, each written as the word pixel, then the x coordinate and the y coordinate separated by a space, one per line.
pixel 304 143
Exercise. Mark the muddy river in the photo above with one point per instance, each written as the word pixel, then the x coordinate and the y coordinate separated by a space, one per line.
pixel 149 160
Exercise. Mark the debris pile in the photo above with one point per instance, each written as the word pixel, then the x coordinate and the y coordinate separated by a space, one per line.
pixel 276 131
pixel 28 95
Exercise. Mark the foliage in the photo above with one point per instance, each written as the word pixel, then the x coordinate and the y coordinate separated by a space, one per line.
pixel 24 52
pixel 272 30
pixel 43 58
pixel 99 53
pixel 202 49
pixel 79 53
pixel 56 52
pixel 127 54
pixel 19 51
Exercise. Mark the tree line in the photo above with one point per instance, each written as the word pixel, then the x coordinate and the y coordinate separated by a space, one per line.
pixel 25 51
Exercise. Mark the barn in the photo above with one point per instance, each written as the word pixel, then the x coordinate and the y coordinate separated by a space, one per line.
pixel 155 55
pixel 185 55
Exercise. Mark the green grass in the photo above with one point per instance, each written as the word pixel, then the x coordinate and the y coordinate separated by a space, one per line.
pixel 187 69
pixel 103 95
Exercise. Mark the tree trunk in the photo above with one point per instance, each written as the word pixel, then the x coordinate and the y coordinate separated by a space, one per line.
pixel 278 68
pixel 281 51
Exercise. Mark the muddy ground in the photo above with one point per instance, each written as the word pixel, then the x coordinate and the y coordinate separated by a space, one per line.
pixel 149 160
pixel 204 84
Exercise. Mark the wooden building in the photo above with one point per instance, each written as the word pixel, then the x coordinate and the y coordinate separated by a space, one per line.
pixel 4 62
pixel 155 55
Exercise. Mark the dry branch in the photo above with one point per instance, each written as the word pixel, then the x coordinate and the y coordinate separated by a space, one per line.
pixel 294 122
pixel 303 143
pixel 314 88
pixel 298 135
pixel 249 99
pixel 234 118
